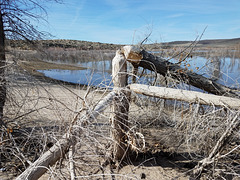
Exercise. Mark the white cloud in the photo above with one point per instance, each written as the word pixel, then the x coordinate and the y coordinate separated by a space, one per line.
pixel 80 6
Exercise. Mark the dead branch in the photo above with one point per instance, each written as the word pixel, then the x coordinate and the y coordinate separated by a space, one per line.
pixel 50 157
pixel 219 145
pixel 185 95
pixel 71 163
pixel 149 61
pixel 39 167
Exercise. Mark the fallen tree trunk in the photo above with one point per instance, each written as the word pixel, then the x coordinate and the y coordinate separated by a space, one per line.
pixel 164 67
pixel 185 95
pixel 61 147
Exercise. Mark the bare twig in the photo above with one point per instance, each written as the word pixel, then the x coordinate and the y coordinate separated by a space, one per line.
pixel 71 162
pixel 219 145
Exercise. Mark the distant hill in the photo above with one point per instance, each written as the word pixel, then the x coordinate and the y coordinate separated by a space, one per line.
pixel 63 43
pixel 87 45
pixel 83 45
pixel 207 43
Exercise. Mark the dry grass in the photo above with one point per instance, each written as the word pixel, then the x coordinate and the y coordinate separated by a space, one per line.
pixel 177 134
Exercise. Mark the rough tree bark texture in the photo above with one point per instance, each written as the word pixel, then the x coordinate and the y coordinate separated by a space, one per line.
pixel 184 95
pixel 165 67
pixel 120 108
pixel 2 69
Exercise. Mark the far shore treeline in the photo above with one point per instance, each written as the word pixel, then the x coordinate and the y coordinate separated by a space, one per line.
pixel 87 45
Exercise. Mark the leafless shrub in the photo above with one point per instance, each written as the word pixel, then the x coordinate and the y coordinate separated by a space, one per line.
pixel 61 55
pixel 38 113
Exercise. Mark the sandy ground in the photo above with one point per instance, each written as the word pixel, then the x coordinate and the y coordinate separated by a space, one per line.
pixel 35 104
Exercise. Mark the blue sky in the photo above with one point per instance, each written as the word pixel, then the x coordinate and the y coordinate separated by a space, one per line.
pixel 129 21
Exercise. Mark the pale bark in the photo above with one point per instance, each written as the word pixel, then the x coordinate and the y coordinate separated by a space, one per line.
pixel 102 105
pixel 71 163
pixel 120 108
pixel 185 95
pixel 50 157
pixel 218 147
pixel 40 166
pixel 164 67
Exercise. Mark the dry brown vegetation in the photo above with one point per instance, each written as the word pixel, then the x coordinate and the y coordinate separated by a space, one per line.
pixel 62 43
pixel 178 135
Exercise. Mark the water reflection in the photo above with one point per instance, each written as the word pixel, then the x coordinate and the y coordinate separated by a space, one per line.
pixel 224 70
pixel 85 77
pixel 99 65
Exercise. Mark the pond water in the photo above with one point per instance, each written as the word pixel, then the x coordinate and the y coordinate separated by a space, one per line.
pixel 97 73
pixel 224 70
pixel 91 77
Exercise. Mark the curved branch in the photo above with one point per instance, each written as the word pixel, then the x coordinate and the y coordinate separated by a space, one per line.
pixel 165 67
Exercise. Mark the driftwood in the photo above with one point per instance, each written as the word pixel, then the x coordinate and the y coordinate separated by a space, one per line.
pixel 120 97
pixel 40 166
pixel 120 107
pixel 119 123
pixel 185 95
pixel 164 67
pixel 59 149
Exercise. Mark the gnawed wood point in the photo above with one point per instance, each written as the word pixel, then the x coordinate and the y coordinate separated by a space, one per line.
pixel 132 54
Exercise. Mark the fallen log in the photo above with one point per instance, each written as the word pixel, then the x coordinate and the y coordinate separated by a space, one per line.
pixel 148 61
pixel 61 147
pixel 164 67
pixel 185 95
pixel 41 165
